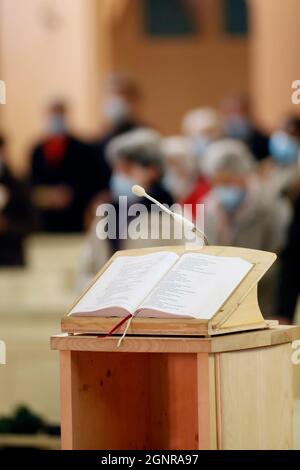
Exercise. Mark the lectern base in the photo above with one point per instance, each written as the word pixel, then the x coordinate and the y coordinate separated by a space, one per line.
pixel 227 392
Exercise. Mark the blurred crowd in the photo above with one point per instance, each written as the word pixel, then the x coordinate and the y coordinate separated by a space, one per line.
pixel 248 181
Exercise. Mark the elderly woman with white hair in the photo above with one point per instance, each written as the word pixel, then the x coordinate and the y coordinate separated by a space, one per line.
pixel 236 213
pixel 135 158
pixel 180 166
pixel 202 126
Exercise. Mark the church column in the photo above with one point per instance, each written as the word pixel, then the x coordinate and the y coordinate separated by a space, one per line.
pixel 275 58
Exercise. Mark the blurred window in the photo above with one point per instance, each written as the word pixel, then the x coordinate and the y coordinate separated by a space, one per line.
pixel 170 18
pixel 235 16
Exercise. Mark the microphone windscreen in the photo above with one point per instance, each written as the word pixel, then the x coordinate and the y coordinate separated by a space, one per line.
pixel 138 190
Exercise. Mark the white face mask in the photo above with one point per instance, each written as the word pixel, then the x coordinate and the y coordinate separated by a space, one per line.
pixel 116 109
pixel 199 145
pixel 120 185
pixel 177 186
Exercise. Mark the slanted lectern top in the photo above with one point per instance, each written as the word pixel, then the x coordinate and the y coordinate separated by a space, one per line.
pixel 240 311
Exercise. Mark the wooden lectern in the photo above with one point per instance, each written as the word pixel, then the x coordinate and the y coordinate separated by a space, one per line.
pixel 169 386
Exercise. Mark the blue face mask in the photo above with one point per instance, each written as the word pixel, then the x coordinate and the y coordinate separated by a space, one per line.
pixel 116 110
pixel 230 197
pixel 199 145
pixel 56 125
pixel 284 149
pixel 120 185
pixel 238 127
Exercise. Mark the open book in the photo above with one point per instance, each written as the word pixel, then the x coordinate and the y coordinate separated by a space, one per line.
pixel 164 284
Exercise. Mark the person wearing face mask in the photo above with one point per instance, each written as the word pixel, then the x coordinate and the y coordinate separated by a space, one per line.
pixel 284 148
pixel 201 127
pixel 120 110
pixel 281 171
pixel 285 151
pixel 238 124
pixel 237 213
pixel 15 214
pixel 289 279
pixel 180 166
pixel 135 158
pixel 63 175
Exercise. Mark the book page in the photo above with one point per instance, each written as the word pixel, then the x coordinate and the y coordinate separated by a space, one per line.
pixel 126 282
pixel 197 286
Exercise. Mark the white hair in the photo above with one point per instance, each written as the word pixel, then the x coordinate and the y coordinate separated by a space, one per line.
pixel 201 120
pixel 142 141
pixel 227 155
pixel 179 148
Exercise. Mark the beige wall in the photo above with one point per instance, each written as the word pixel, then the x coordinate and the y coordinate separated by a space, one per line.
pixel 64 48
pixel 275 52
pixel 177 75
pixel 48 50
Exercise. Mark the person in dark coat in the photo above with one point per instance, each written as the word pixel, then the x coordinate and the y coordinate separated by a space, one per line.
pixel 238 124
pixel 289 279
pixel 15 214
pixel 64 176
pixel 136 159
pixel 120 109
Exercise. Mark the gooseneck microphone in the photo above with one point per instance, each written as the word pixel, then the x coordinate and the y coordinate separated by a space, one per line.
pixel 140 192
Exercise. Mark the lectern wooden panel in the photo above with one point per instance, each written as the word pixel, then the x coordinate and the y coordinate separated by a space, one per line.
pixel 231 391
pixel 256 384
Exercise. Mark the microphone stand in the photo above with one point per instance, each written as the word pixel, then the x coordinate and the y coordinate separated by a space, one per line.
pixel 179 218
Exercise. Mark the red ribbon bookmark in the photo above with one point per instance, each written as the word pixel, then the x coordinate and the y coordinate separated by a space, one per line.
pixel 117 326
